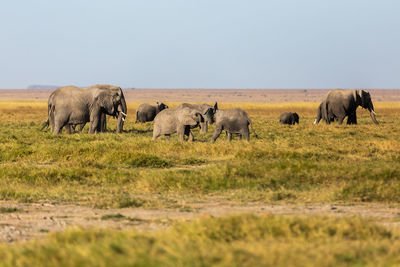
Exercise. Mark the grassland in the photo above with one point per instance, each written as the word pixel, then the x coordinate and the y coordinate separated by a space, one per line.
pixel 298 164
pixel 304 163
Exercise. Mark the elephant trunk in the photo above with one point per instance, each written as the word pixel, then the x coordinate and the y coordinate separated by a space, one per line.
pixel 372 113
pixel 204 127
pixel 121 114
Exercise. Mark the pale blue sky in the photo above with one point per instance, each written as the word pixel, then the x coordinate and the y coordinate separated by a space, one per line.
pixel 201 44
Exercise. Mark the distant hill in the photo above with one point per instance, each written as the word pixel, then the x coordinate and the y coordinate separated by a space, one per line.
pixel 38 86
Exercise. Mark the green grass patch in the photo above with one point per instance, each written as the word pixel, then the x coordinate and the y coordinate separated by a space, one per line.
pixel 8 209
pixel 117 216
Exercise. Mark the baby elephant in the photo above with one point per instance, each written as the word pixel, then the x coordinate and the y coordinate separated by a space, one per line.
pixel 178 121
pixel 289 118
pixel 146 112
pixel 233 121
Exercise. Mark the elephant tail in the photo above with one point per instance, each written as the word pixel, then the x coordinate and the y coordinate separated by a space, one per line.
pixel 251 127
pixel 50 110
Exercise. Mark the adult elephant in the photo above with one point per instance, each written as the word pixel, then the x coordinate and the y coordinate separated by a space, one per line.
pixel 147 112
pixel 201 108
pixel 339 104
pixel 70 106
pixel 103 120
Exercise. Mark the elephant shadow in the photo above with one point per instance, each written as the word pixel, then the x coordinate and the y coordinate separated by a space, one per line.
pixel 139 131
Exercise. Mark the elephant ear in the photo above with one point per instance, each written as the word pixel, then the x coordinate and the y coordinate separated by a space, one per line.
pixel 215 106
pixel 103 99
pixel 364 98
pixel 188 120
pixel 357 96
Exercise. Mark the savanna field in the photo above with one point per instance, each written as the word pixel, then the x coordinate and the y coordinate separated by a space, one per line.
pixel 297 165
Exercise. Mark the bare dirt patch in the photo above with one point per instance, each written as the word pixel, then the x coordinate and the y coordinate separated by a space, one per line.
pixel 26 221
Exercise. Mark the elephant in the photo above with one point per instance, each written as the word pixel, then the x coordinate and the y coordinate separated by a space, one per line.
pixel 289 118
pixel 341 103
pixel 322 114
pixel 147 112
pixel 179 121
pixel 70 106
pixel 233 121
pixel 202 108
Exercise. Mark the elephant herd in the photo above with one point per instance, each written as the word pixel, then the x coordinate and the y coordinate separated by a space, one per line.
pixel 70 106
pixel 188 116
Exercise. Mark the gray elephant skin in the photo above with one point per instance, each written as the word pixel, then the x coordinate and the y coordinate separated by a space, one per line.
pixel 201 108
pixel 70 106
pixel 339 104
pixel 233 121
pixel 179 121
pixel 147 112
pixel 322 114
pixel 290 118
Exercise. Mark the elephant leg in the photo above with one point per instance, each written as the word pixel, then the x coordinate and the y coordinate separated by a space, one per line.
pixel 340 119
pixel 57 128
pixel 103 123
pixel 328 121
pixel 203 127
pixel 52 123
pixel 181 132
pixel 246 134
pixel 217 132
pixel 69 128
pixel 156 132
pixel 94 125
pixel 228 136
pixel 81 126
pixel 191 136
pixel 352 118
pixel 239 137
pixel 349 119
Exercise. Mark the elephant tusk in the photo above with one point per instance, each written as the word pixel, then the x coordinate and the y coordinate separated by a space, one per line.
pixel 123 119
pixel 373 112
pixel 123 113
pixel 315 122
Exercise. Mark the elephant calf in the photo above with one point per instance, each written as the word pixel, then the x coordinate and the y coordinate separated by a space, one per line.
pixel 147 112
pixel 233 121
pixel 289 118
pixel 201 108
pixel 178 121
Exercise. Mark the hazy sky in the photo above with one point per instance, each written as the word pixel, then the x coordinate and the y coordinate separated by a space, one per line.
pixel 201 44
